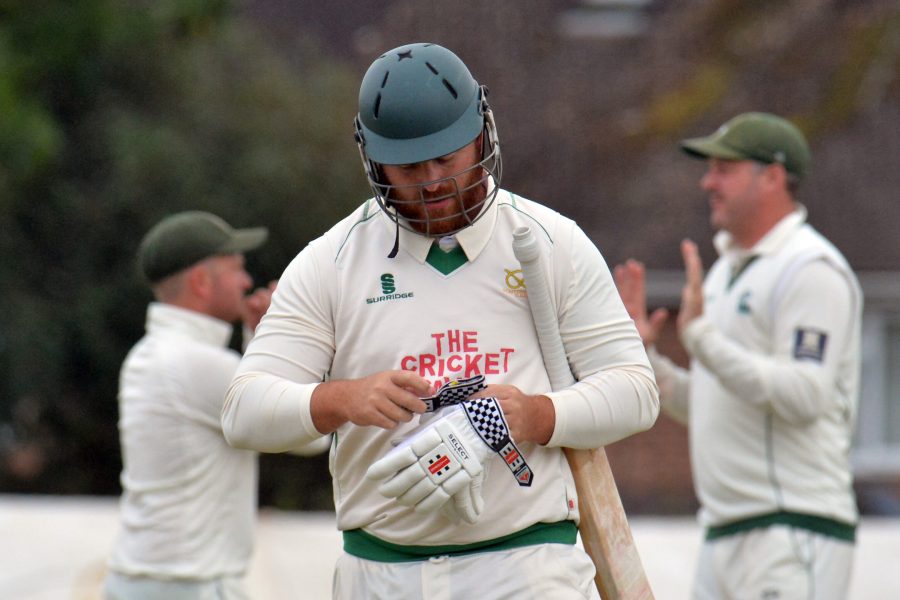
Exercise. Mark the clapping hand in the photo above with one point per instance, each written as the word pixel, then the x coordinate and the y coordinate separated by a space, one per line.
pixel 631 281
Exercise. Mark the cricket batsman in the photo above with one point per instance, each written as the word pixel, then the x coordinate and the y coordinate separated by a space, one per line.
pixel 405 330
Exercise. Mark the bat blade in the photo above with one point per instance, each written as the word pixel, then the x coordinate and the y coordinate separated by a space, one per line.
pixel 604 528
pixel 603 525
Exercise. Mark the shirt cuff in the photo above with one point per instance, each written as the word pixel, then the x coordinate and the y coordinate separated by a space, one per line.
pixel 692 335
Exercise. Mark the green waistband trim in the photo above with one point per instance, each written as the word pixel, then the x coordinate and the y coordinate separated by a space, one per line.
pixel 821 525
pixel 365 545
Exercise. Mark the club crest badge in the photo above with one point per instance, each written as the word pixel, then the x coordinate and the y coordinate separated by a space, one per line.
pixel 809 344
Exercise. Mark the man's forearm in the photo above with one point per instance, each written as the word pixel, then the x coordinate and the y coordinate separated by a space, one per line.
pixel 326 404
pixel 267 413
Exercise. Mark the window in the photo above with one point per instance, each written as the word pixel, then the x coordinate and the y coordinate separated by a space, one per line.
pixel 877 443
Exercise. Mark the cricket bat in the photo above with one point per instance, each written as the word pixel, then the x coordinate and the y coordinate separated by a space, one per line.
pixel 604 527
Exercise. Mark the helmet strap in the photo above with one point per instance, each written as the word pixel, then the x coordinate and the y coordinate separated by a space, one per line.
pixel 396 247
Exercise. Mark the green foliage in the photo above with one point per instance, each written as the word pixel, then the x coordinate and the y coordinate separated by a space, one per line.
pixel 869 48
pixel 671 111
pixel 114 115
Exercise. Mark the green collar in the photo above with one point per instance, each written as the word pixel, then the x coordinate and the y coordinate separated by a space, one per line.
pixel 446 262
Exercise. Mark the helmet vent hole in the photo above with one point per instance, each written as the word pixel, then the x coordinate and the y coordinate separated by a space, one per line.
pixel 384 81
pixel 377 105
pixel 450 88
pixel 431 68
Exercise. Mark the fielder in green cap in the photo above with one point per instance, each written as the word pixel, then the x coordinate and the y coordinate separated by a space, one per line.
pixel 773 333
pixel 756 136
pixel 189 499
pixel 184 239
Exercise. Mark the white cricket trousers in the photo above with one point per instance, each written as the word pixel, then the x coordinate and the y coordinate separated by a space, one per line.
pixel 124 587
pixel 539 572
pixel 776 563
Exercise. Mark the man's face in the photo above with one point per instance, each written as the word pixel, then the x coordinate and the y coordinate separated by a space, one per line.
pixel 734 190
pixel 230 284
pixel 436 196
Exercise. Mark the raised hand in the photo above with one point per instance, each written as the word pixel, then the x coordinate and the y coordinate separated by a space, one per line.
pixel 692 292
pixel 631 281
pixel 256 304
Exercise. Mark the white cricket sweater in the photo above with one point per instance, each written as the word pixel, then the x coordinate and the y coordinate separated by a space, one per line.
pixel 344 310
pixel 772 394
pixel 188 506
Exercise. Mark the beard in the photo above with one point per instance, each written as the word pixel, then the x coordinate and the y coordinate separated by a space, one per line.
pixel 452 206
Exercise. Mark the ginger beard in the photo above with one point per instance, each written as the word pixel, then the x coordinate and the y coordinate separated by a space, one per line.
pixel 441 205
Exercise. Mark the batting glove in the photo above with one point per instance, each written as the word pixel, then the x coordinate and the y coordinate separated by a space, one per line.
pixel 441 462
pixel 466 504
pixel 454 392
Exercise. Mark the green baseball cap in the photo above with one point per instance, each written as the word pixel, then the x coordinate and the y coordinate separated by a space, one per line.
pixel 186 238
pixel 758 136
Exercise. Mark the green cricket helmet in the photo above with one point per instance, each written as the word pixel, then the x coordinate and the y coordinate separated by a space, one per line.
pixel 418 102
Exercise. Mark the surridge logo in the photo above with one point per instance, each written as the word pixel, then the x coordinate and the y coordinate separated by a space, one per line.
pixel 387 284
pixel 388 290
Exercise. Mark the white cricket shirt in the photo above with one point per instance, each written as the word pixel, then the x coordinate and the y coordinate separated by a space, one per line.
pixel 344 310
pixel 188 507
pixel 773 388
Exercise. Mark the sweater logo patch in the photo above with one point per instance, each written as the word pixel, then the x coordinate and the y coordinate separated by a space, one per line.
pixel 388 290
pixel 809 344
pixel 744 303
pixel 387 284
pixel 515 283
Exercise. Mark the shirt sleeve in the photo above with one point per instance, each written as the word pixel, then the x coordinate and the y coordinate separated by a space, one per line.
pixel 674 386
pixel 317 446
pixel 267 407
pixel 812 325
pixel 203 396
pixel 616 394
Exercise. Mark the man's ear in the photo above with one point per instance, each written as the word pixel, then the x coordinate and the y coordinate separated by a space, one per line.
pixel 776 175
pixel 199 281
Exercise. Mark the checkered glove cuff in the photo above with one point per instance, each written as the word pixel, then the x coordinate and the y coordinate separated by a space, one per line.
pixel 454 392
pixel 489 423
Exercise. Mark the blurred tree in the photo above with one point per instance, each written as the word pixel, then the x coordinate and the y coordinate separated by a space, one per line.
pixel 113 115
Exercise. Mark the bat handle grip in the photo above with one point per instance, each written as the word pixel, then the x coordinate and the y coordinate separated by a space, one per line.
pixel 528 253
pixel 525 245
